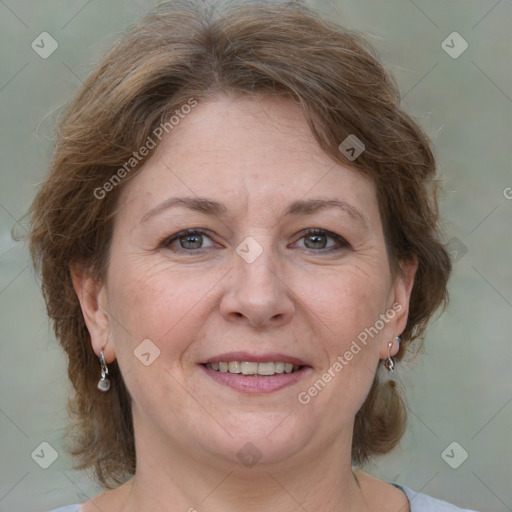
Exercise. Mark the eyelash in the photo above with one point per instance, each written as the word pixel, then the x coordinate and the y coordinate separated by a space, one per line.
pixel 341 243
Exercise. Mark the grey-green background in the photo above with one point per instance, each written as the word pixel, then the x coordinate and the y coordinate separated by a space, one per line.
pixel 458 389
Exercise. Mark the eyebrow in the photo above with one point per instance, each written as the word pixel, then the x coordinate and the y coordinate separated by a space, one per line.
pixel 211 207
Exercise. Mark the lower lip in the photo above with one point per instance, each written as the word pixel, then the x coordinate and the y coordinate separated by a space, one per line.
pixel 256 384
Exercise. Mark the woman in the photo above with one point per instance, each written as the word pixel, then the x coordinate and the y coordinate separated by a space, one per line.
pixel 237 241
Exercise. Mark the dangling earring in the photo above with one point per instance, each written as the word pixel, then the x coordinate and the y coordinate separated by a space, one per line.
pixel 104 382
pixel 389 362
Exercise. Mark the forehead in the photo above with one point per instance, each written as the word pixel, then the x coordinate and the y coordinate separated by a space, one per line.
pixel 248 153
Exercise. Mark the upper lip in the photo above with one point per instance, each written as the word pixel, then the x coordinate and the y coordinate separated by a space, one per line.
pixel 266 357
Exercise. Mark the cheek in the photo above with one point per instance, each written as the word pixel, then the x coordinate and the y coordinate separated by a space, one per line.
pixel 347 302
pixel 158 303
pixel 348 307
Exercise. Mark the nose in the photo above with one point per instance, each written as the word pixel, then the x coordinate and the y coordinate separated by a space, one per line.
pixel 257 294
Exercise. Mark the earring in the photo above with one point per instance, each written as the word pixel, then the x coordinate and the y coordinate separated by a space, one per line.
pixel 389 362
pixel 104 382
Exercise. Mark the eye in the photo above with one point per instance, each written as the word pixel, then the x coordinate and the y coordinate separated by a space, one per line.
pixel 189 240
pixel 192 240
pixel 317 239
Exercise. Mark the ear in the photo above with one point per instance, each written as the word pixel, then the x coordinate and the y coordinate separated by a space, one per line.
pixel 93 301
pixel 399 303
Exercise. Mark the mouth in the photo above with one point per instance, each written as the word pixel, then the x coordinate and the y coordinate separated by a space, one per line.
pixel 252 373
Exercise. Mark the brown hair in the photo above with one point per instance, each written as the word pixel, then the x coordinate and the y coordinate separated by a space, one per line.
pixel 184 50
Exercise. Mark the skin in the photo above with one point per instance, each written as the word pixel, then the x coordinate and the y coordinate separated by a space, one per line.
pixel 256 156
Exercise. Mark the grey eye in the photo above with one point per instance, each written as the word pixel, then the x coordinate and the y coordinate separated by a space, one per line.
pixel 191 241
pixel 315 241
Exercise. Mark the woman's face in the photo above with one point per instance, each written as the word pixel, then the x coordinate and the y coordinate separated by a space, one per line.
pixel 249 284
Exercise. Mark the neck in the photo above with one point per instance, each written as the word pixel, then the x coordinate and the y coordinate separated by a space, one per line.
pixel 173 479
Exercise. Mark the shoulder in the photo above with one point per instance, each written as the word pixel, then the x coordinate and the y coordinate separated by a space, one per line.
pixel 68 508
pixel 422 503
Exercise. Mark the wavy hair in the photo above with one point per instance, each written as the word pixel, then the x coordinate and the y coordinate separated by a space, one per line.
pixel 197 49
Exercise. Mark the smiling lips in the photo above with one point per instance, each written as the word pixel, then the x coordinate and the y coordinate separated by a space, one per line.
pixel 253 373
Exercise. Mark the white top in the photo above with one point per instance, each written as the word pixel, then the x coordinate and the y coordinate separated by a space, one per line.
pixel 418 503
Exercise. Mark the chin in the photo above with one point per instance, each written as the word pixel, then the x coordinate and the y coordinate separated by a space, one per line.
pixel 258 438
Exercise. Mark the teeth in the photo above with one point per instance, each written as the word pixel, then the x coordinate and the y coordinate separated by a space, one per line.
pixel 250 368
pixel 266 368
pixel 234 367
